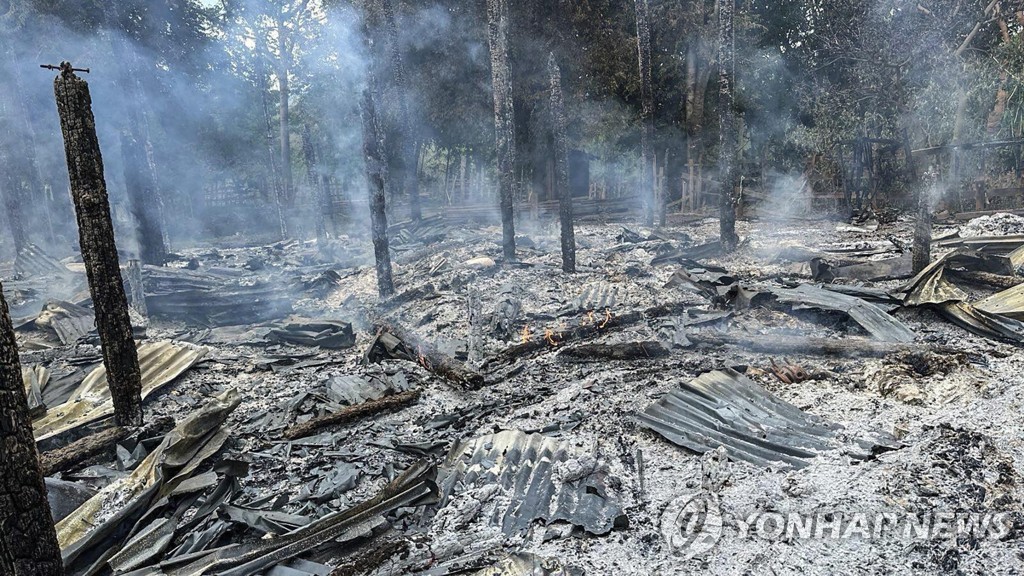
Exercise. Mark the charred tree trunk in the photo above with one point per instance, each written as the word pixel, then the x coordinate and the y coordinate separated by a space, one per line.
pixel 922 249
pixel 28 541
pixel 643 41
pixel 407 176
pixel 375 178
pixel 286 144
pixel 504 117
pixel 275 177
pixel 96 238
pixel 316 182
pixel 139 176
pixel 558 126
pixel 14 201
pixel 726 126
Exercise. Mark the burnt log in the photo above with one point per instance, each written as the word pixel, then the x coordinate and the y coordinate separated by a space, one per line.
pixel 558 126
pixel 504 118
pixel 28 541
pixel 617 351
pixel 350 413
pixel 796 345
pixel 65 457
pixel 99 252
pixel 395 342
pixel 376 175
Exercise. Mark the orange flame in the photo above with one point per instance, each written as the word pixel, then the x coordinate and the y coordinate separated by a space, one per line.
pixel 550 337
pixel 525 334
pixel 607 318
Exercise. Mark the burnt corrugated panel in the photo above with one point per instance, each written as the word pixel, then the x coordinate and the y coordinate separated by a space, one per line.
pixel 524 466
pixel 725 408
pixel 881 325
pixel 32 261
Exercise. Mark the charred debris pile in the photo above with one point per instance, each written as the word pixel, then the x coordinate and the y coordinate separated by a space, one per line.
pixel 505 417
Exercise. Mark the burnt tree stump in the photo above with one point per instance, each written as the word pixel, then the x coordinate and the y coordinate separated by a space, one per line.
pixel 558 126
pixel 28 541
pixel 375 177
pixel 504 118
pixel 96 239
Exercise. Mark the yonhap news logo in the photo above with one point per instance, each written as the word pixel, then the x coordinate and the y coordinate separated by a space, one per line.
pixel 693 524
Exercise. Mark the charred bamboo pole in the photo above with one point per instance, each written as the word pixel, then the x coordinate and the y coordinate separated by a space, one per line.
pixel 727 126
pixel 504 117
pixel 558 124
pixel 96 238
pixel 408 176
pixel 376 175
pixel 28 542
pixel 350 413
pixel 79 451
pixel 643 41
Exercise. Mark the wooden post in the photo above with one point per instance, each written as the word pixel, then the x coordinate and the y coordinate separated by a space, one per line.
pixel 135 286
pixel 375 177
pixel 504 118
pixel 726 121
pixel 643 41
pixel 96 238
pixel 558 125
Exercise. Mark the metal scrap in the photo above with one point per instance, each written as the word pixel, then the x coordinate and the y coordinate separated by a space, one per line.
pixel 725 408
pixel 322 333
pixel 533 471
pixel 881 325
pixel 160 362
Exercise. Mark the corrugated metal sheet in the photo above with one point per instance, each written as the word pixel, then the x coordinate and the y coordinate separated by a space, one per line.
pixel 725 408
pixel 32 261
pixel 881 325
pixel 160 362
pixel 524 466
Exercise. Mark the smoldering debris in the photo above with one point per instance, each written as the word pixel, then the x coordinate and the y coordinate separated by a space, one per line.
pixel 512 419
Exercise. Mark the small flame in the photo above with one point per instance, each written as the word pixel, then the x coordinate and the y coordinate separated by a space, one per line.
pixel 525 334
pixel 607 318
pixel 550 337
pixel 590 317
pixel 422 358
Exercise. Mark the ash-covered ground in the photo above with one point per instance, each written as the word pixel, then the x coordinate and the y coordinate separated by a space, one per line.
pixel 955 413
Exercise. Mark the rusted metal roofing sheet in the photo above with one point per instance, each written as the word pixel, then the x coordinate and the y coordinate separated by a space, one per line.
pixel 526 467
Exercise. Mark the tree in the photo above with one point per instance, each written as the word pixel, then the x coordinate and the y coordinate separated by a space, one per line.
pixel 376 175
pixel 558 127
pixel 28 542
pixel 726 127
pixel 643 43
pixel 504 117
pixel 99 252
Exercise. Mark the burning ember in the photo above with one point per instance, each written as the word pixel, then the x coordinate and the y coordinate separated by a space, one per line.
pixel 549 335
pixel 525 334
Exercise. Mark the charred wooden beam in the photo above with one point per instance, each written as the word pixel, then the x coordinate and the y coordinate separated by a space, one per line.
pixel 351 413
pixel 99 252
pixel 61 459
pixel 797 345
pixel 726 124
pixel 644 350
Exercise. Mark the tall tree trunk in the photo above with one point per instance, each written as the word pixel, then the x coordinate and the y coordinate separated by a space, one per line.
pixel 277 189
pixel 28 542
pixel 727 127
pixel 286 143
pixel 14 201
pixel 408 177
pixel 504 117
pixel 96 238
pixel 139 176
pixel 315 179
pixel 558 127
pixel 373 148
pixel 643 42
